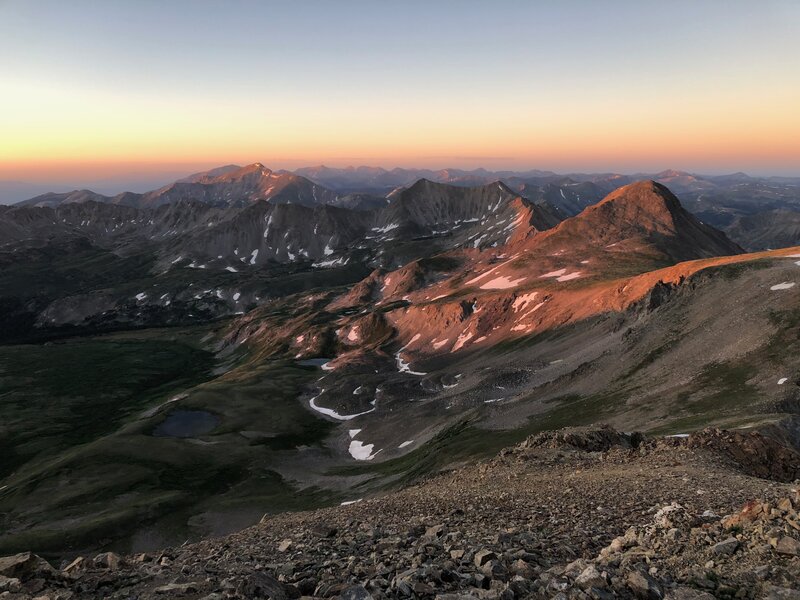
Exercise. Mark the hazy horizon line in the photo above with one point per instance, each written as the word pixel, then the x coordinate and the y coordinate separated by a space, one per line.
pixel 139 176
pixel 138 181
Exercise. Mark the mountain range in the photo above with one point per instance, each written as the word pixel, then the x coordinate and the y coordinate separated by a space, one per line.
pixel 757 212
pixel 244 341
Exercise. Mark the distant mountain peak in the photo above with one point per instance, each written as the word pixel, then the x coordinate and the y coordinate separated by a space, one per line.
pixel 216 172
pixel 247 170
pixel 672 173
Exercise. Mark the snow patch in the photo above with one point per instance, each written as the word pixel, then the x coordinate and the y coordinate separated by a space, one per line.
pixel 406 443
pixel 334 262
pixel 266 229
pixel 362 451
pixel 403 366
pixel 782 380
pixel 253 256
pixel 782 286
pixel 569 277
pixel 557 273
pixel 522 301
pixel 502 283
pixel 462 339
pixel 329 412
pixel 231 269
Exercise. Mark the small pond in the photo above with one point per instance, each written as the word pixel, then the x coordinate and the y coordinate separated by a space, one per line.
pixel 186 424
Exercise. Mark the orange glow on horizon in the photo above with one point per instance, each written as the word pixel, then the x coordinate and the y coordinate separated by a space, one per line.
pixel 105 135
pixel 173 88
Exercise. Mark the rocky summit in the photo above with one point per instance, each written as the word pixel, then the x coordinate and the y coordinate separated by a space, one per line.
pixel 573 514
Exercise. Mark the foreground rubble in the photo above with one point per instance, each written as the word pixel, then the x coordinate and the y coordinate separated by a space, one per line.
pixel 569 515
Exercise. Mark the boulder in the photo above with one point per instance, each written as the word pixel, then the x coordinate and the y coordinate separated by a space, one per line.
pixel 483 556
pixel 177 589
pixel 262 585
pixel 787 545
pixel 24 566
pixel 75 568
pixel 590 577
pixel 644 586
pixel 10 584
pixel 108 560
pixel 356 592
pixel 725 547
pixel 494 569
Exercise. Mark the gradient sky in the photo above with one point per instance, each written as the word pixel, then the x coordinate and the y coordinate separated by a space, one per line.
pixel 111 89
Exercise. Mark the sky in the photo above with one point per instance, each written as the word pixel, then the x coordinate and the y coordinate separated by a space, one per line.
pixel 139 91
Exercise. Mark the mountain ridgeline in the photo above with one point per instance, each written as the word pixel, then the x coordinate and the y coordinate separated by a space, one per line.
pixel 757 213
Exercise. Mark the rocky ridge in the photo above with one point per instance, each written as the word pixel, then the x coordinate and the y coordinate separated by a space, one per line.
pixel 574 514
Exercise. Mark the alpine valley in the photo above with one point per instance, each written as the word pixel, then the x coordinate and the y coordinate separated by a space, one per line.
pixel 176 364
